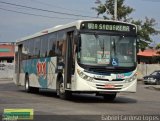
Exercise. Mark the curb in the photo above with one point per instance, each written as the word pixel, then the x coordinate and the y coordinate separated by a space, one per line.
pixel 3 79
pixel 156 87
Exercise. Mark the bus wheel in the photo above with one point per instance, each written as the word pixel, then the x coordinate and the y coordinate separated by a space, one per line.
pixel 63 94
pixel 27 87
pixel 109 97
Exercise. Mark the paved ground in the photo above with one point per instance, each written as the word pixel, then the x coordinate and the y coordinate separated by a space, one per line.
pixel 144 102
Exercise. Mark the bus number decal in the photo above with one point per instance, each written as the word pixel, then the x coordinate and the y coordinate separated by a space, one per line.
pixel 41 68
pixel 120 76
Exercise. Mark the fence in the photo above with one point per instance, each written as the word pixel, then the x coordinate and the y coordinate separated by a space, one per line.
pixel 6 70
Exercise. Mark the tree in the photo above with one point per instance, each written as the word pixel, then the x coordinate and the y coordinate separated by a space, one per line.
pixel 108 7
pixel 146 27
pixel 145 31
pixel 158 46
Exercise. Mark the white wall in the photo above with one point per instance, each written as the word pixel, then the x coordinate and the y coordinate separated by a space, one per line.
pixel 6 70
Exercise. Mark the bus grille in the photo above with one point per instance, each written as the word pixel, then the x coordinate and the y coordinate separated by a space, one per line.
pixel 105 71
pixel 108 79
pixel 99 70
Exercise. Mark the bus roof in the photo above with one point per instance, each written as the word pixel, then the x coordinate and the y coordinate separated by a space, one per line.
pixel 61 27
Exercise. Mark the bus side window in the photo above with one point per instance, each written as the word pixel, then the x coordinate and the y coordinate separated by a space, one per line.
pixel 31 48
pixel 59 47
pixel 37 47
pixel 51 45
pixel 44 46
pixel 25 50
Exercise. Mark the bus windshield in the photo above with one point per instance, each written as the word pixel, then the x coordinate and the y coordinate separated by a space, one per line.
pixel 108 50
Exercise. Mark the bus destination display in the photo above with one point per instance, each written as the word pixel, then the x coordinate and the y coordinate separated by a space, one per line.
pixel 108 27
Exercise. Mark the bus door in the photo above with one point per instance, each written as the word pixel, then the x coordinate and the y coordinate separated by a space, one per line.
pixel 68 61
pixel 19 63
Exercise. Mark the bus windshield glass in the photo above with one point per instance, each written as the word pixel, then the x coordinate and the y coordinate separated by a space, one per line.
pixel 102 49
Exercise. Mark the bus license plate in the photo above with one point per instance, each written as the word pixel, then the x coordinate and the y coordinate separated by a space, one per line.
pixel 109 86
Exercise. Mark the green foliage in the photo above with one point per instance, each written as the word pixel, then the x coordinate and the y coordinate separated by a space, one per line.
pixel 123 11
pixel 145 31
pixel 146 27
pixel 158 46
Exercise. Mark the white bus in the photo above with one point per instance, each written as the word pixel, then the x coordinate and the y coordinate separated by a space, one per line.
pixel 86 56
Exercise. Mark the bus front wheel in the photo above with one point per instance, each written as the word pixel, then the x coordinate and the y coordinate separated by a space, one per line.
pixel 28 88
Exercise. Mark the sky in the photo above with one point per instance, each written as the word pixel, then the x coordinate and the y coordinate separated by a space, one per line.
pixel 14 26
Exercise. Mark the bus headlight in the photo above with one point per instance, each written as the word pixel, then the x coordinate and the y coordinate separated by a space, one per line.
pixel 84 76
pixel 131 78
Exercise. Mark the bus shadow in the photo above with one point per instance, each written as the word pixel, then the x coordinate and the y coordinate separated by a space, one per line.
pixel 99 99
pixel 42 93
pixel 77 98
pixel 85 98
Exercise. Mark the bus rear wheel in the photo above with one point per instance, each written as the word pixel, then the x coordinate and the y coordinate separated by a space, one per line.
pixel 63 94
pixel 28 88
pixel 109 97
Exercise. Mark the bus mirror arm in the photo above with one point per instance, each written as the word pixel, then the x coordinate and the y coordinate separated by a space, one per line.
pixel 137 43
pixel 76 39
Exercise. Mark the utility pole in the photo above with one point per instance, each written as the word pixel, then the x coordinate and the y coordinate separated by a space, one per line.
pixel 115 9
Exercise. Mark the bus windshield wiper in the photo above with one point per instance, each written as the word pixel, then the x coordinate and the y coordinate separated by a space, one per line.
pixel 114 47
pixel 103 48
pixel 100 44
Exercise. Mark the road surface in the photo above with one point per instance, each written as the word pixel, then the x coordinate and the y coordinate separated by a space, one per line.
pixel 80 107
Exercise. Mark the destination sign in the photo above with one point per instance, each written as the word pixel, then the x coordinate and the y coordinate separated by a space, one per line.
pixel 108 26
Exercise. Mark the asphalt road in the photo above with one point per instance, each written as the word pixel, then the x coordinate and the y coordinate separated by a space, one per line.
pixel 48 106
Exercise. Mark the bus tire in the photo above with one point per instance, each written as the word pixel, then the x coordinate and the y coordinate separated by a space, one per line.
pixel 109 97
pixel 63 94
pixel 27 87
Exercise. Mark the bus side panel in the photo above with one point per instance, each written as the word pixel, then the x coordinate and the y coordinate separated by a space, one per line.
pixel 41 72
pixel 22 79
pixel 15 76
pixel 22 73
pixel 51 73
pixel 19 74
